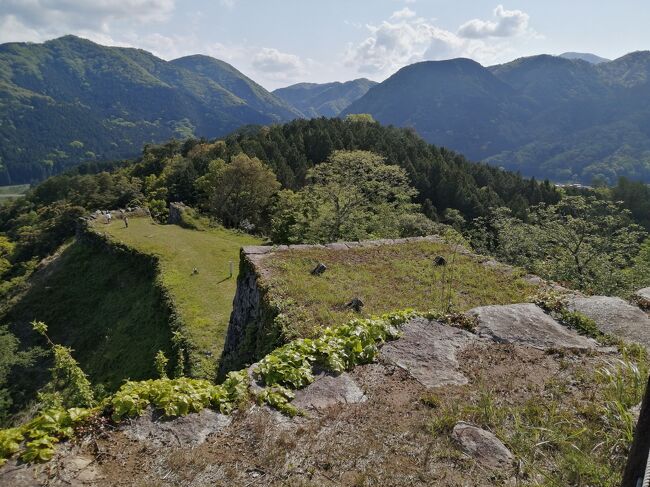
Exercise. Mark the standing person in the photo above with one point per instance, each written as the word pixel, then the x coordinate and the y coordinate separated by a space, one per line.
pixel 126 221
pixel 108 217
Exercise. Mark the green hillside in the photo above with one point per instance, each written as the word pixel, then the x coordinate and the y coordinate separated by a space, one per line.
pixel 104 305
pixel 70 100
pixel 324 99
pixel 202 300
pixel 235 82
pixel 114 309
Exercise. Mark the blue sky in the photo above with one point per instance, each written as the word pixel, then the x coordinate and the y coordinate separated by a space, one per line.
pixel 285 41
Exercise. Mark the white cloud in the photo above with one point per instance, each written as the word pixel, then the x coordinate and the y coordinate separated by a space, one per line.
pixel 37 20
pixel 405 13
pixel 406 38
pixel 272 61
pixel 13 30
pixel 508 23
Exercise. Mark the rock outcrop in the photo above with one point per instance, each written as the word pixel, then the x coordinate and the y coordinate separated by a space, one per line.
pixel 526 324
pixel 190 430
pixel 483 446
pixel 614 316
pixel 427 351
pixel 642 297
pixel 329 390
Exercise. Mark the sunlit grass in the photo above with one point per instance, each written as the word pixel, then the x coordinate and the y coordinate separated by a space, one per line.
pixel 385 278
pixel 12 192
pixel 202 299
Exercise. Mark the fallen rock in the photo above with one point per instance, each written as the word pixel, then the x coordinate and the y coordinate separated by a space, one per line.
pixel 427 351
pixel 329 390
pixel 81 468
pixel 534 280
pixel 526 324
pixel 614 316
pixel 643 297
pixel 482 445
pixel 191 430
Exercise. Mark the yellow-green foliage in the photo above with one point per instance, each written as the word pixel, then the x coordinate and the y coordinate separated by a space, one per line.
pixel 290 367
pixel 178 397
pixel 337 349
pixel 35 440
pixel 69 386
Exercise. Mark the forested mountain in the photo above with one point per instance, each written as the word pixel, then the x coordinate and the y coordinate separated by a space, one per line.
pixel 70 100
pixel 546 116
pixel 324 99
pixel 585 56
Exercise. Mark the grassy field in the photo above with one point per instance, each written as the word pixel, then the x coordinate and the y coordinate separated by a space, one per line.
pixel 12 192
pixel 385 278
pixel 203 299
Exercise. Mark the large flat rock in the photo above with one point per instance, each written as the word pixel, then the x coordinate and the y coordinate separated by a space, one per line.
pixel 482 445
pixel 526 324
pixel 614 316
pixel 329 390
pixel 427 351
pixel 191 430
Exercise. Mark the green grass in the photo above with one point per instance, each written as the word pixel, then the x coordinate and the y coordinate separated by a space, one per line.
pixel 12 192
pixel 385 278
pixel 202 300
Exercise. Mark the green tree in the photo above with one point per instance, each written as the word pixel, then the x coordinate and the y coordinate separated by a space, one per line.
pixel 584 241
pixel 69 386
pixel 359 118
pixel 239 191
pixel 353 195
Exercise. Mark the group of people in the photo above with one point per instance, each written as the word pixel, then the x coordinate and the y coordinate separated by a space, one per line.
pixel 109 217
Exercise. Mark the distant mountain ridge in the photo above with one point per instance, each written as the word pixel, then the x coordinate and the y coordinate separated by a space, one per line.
pixel 324 99
pixel 585 56
pixel 70 100
pixel 547 116
pixel 571 118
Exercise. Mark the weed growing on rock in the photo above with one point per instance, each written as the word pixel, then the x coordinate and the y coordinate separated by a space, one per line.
pixel 289 367
pixel 160 362
pixel 459 320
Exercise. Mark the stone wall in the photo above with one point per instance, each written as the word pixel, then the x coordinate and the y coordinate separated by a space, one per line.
pixel 254 328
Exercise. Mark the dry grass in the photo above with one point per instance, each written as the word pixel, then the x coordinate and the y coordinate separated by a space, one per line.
pixel 385 278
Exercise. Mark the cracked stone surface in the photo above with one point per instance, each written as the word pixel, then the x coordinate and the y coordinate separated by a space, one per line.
pixel 427 351
pixel 192 429
pixel 482 445
pixel 615 316
pixel 526 324
pixel 329 390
